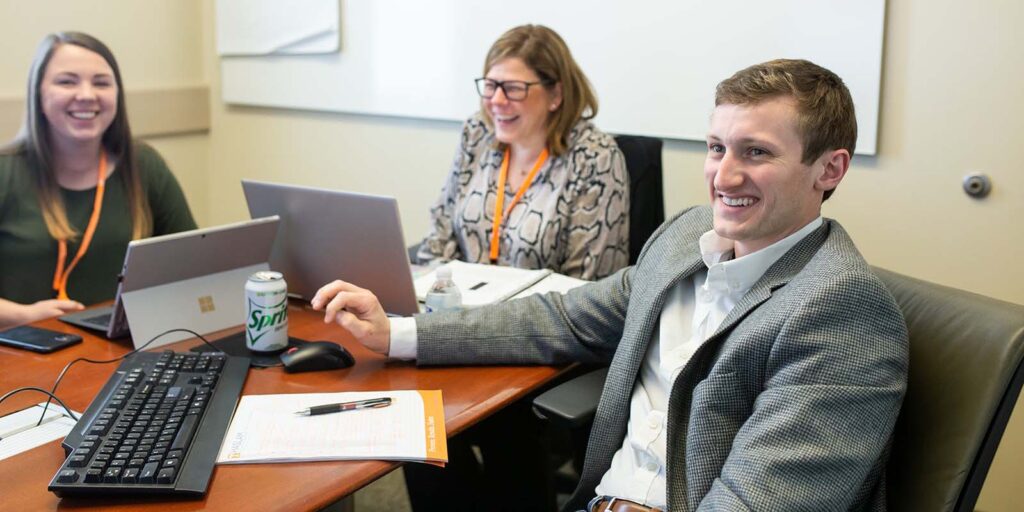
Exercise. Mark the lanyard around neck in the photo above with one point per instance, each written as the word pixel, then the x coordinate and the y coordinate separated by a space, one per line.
pixel 499 210
pixel 60 275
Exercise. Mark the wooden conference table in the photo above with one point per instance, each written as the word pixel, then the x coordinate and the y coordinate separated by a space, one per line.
pixel 470 394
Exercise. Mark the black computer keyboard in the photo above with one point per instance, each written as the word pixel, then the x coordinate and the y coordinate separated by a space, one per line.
pixel 154 428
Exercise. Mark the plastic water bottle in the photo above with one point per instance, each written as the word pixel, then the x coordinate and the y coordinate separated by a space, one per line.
pixel 443 294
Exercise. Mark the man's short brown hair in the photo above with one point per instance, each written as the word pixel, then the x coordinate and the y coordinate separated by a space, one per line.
pixel 825 114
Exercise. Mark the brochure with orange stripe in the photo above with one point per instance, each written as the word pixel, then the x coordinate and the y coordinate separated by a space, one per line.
pixel 270 428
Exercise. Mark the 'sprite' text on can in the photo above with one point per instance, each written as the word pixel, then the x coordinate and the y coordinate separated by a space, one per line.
pixel 266 308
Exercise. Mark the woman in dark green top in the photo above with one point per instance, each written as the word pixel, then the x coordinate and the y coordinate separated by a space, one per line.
pixel 74 153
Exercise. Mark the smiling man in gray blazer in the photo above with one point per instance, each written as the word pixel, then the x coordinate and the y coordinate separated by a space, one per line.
pixel 756 361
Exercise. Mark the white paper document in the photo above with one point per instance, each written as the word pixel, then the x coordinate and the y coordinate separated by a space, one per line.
pixel 552 283
pixel 483 284
pixel 265 428
pixel 19 433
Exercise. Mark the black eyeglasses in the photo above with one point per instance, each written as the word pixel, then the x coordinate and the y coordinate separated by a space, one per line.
pixel 515 90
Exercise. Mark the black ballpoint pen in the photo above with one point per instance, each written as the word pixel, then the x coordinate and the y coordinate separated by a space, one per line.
pixel 373 403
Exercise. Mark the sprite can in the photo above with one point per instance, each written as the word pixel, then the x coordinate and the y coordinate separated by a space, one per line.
pixel 266 319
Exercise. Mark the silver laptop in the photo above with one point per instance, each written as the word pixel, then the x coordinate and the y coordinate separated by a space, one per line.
pixel 193 279
pixel 331 234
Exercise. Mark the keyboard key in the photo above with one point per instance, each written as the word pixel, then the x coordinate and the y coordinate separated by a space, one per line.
pixel 67 476
pixel 166 476
pixel 112 476
pixel 77 461
pixel 188 427
pixel 130 476
pixel 148 473
pixel 93 475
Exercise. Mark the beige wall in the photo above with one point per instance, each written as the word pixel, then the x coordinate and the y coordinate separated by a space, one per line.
pixel 159 47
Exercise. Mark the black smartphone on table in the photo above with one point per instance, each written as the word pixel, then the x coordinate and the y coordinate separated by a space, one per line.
pixel 37 340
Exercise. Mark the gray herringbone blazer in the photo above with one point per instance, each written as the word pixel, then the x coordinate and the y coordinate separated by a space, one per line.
pixel 789 406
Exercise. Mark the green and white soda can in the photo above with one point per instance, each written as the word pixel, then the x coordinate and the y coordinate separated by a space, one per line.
pixel 266 318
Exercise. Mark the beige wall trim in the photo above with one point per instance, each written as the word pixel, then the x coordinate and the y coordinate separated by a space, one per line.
pixel 152 112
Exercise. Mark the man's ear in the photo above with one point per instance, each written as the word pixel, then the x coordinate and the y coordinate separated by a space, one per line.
pixel 556 97
pixel 834 164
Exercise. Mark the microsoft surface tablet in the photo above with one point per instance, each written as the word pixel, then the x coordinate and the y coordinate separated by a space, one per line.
pixel 188 279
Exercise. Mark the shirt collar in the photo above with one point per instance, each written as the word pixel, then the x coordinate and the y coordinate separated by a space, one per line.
pixel 738 275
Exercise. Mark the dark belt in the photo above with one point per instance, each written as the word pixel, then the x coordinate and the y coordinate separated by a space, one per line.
pixel 609 504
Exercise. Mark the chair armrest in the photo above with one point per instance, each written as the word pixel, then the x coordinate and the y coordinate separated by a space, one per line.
pixel 572 403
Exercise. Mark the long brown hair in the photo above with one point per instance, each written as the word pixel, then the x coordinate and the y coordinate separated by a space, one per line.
pixel 544 51
pixel 34 141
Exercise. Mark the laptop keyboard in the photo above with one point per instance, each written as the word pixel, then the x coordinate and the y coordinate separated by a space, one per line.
pixel 154 428
pixel 100 320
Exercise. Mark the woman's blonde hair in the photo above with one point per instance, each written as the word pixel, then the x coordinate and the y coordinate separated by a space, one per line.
pixel 34 141
pixel 544 51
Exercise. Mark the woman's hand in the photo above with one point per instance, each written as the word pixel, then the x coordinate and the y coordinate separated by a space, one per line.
pixel 12 313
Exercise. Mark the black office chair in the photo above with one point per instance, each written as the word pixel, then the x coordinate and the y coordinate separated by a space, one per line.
pixel 646 201
pixel 965 375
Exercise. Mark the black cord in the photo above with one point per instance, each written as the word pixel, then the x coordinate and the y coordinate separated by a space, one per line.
pixel 41 390
pixel 67 367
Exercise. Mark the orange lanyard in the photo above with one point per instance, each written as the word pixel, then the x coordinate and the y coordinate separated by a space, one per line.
pixel 499 204
pixel 60 275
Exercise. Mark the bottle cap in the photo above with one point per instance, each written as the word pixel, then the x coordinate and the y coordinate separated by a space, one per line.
pixel 444 272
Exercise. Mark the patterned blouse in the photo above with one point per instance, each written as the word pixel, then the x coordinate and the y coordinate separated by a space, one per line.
pixel 573 219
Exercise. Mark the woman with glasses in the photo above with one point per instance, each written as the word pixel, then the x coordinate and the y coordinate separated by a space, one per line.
pixel 75 187
pixel 534 183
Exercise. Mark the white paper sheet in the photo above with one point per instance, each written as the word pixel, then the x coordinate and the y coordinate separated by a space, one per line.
pixel 19 433
pixel 483 284
pixel 265 428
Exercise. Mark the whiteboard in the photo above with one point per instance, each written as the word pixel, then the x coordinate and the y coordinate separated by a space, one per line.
pixel 653 63
pixel 264 27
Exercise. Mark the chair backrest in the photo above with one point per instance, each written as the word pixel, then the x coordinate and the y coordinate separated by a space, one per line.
pixel 646 204
pixel 964 378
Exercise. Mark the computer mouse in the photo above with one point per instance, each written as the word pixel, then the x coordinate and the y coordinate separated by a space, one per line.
pixel 316 356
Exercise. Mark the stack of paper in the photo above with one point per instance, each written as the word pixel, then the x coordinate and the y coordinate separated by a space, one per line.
pixel 19 432
pixel 485 284
pixel 552 283
pixel 265 428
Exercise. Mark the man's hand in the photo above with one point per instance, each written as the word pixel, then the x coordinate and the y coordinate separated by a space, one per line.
pixel 358 311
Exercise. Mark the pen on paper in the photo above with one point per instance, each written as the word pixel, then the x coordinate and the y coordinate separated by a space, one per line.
pixel 372 403
pixel 479 285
